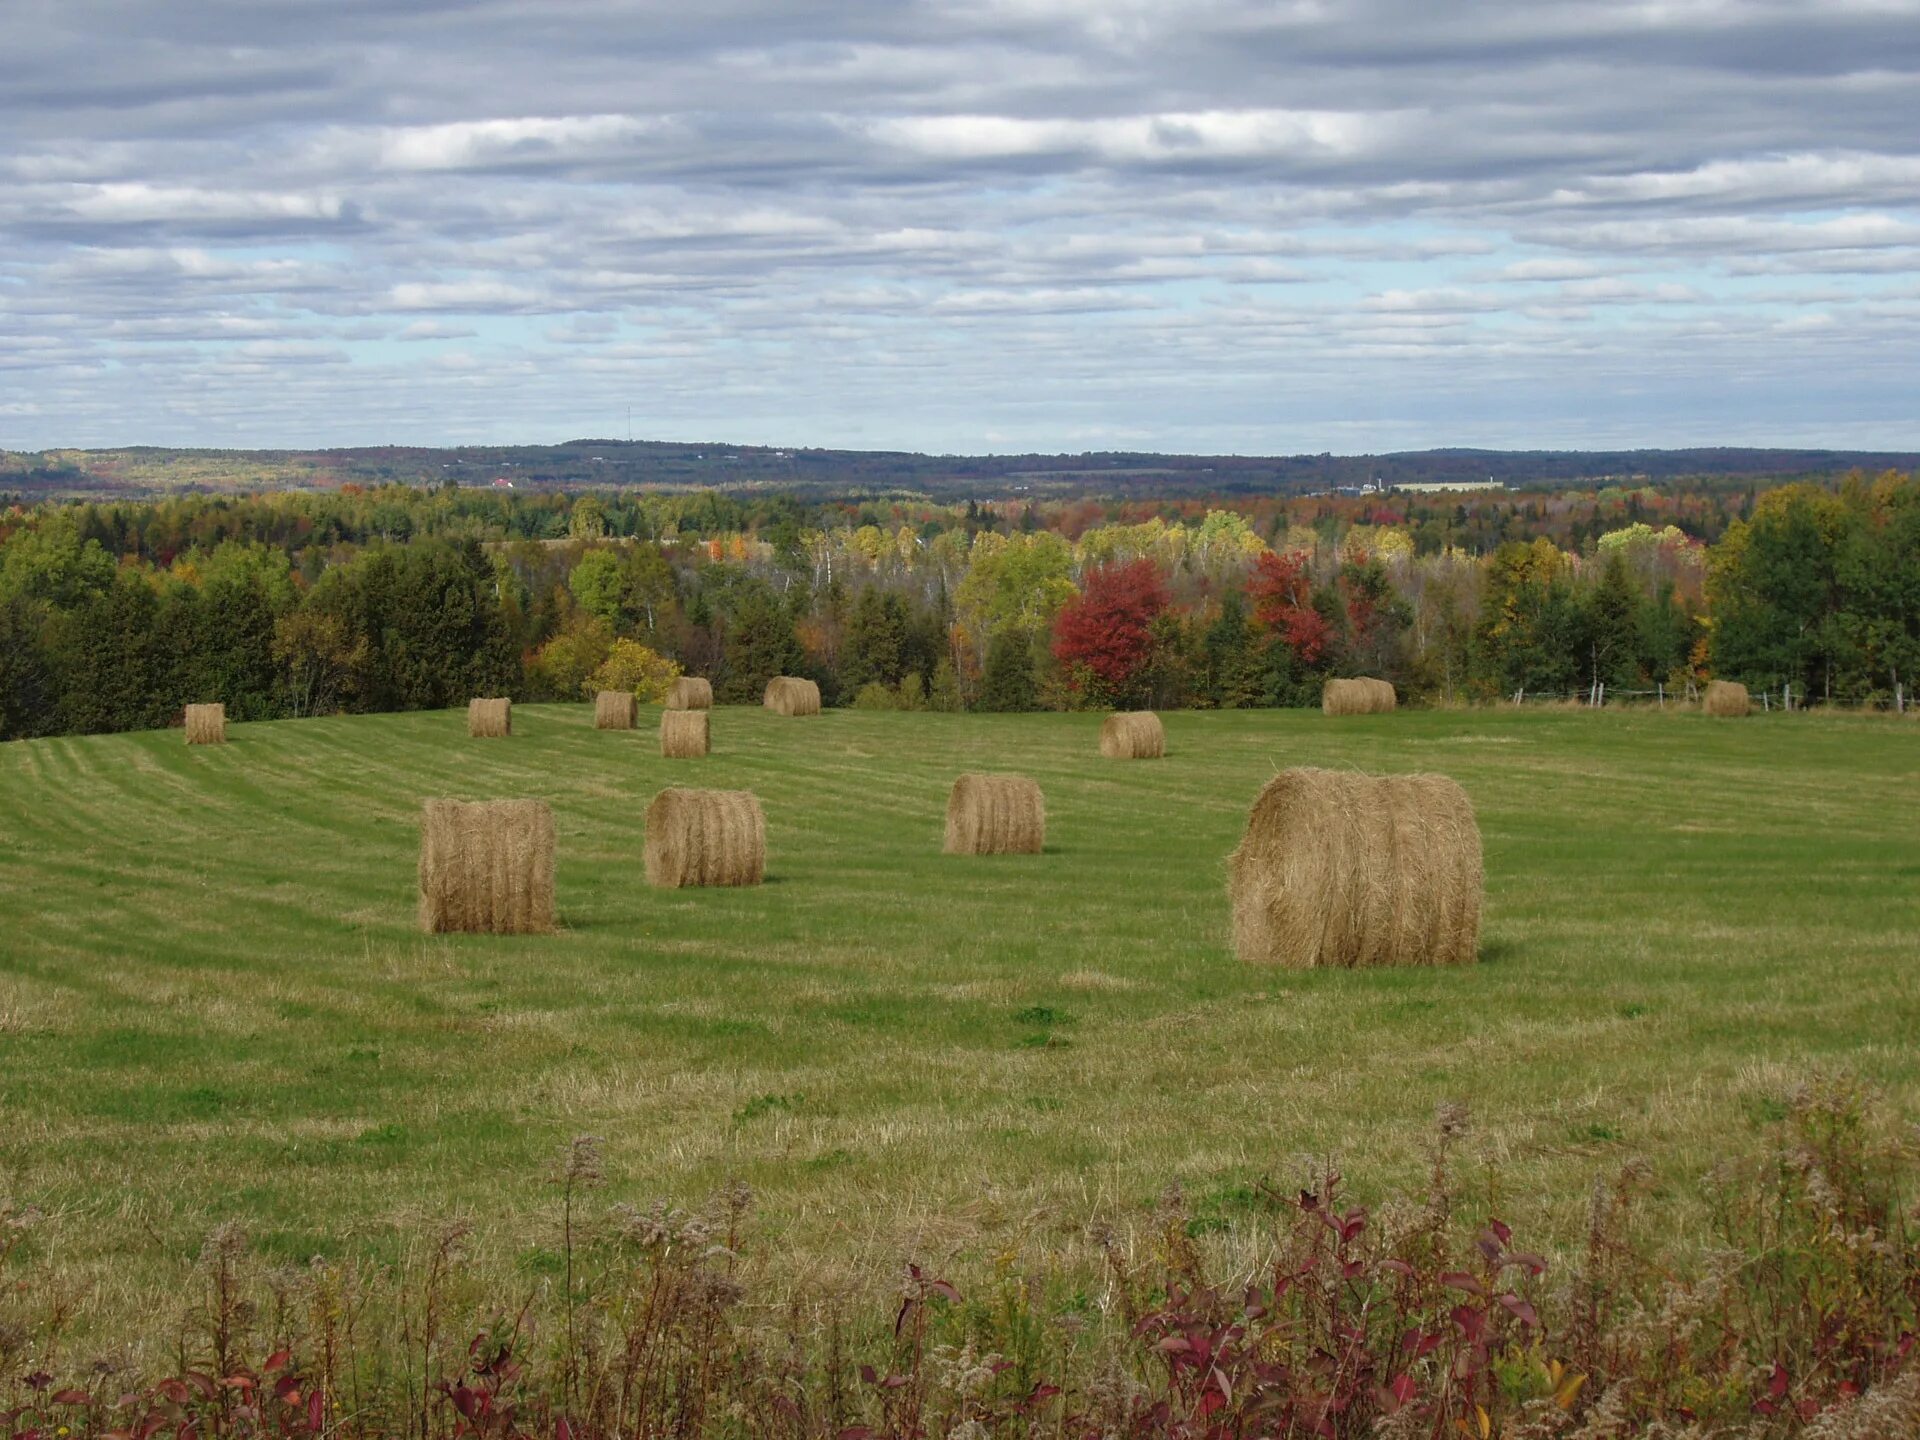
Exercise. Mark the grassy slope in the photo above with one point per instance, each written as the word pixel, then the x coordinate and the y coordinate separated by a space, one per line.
pixel 213 1002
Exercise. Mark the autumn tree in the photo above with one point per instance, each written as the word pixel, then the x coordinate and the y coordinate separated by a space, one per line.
pixel 1282 594
pixel 636 669
pixel 1103 638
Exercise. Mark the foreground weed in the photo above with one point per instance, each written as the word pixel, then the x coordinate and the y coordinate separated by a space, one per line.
pixel 1417 1320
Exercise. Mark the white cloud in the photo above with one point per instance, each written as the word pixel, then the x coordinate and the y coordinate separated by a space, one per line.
pixel 496 144
pixel 1213 223
pixel 471 296
pixel 1184 136
pixel 137 202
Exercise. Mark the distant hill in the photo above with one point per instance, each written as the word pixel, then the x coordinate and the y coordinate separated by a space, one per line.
pixel 612 464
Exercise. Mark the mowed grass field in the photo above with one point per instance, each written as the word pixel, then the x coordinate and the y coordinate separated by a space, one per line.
pixel 214 1003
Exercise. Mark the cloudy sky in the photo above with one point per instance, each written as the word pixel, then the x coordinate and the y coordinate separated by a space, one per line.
pixel 961 225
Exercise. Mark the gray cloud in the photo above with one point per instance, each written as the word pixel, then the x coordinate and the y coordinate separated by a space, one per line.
pixel 1197 224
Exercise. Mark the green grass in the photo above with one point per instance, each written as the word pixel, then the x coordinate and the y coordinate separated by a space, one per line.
pixel 214 1003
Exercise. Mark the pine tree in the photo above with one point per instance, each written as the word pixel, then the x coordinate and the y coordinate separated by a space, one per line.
pixel 1613 626
pixel 1008 682
pixel 760 644
pixel 873 649
pixel 1230 681
pixel 26 686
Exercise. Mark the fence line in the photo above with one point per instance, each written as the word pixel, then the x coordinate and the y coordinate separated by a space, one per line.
pixel 1785 699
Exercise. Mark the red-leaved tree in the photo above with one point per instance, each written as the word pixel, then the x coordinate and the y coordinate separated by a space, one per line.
pixel 1105 628
pixel 1282 595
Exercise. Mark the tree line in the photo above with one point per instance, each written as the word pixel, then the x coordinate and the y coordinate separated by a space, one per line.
pixel 115 617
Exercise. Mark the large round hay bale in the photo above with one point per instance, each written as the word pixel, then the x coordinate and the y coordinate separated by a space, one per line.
pixel 996 815
pixel 1343 869
pixel 684 734
pixel 206 724
pixel 705 837
pixel 615 710
pixel 787 695
pixel 486 867
pixel 1361 696
pixel 1133 735
pixel 690 692
pixel 1725 697
pixel 489 719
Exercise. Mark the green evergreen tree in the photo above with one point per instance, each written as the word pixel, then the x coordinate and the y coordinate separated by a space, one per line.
pixel 1008 682
pixel 104 655
pixel 760 644
pixel 27 692
pixel 1612 622
pixel 1665 635
pixel 1229 679
pixel 874 646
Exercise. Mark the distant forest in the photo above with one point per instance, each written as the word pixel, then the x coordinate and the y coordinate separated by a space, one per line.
pixel 116 613
pixel 831 474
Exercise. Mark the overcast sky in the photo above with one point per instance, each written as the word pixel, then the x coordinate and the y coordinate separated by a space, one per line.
pixel 961 225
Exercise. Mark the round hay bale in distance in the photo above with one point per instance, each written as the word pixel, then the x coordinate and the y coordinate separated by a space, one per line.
pixel 1342 869
pixel 788 695
pixel 1133 735
pixel 684 734
pixel 1726 698
pixel 1362 696
pixel 996 815
pixel 489 719
pixel 705 837
pixel 690 692
pixel 615 710
pixel 206 724
pixel 486 867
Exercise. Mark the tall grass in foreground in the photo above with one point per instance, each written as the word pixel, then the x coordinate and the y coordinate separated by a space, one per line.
pixel 1422 1318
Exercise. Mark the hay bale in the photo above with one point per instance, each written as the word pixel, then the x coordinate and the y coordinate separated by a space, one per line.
pixel 206 724
pixel 787 695
pixel 489 719
pixel 1133 735
pixel 705 837
pixel 1725 697
pixel 684 734
pixel 996 815
pixel 615 710
pixel 1343 869
pixel 486 868
pixel 690 692
pixel 1357 697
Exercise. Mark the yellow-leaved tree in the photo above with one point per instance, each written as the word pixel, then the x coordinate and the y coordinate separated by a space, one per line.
pixel 632 666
